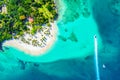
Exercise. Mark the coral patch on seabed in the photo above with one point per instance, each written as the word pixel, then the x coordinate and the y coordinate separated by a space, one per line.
pixel 114 6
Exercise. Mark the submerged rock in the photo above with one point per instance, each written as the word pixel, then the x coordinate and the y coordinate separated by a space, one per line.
pixel 73 37
pixel 62 38
pixel 22 64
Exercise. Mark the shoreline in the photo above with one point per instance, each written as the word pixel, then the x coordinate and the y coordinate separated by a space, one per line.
pixel 34 50
pixel 60 8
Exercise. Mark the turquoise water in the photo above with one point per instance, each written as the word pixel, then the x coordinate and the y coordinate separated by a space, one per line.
pixel 72 55
pixel 75 39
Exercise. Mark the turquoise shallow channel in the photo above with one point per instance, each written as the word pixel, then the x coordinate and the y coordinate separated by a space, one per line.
pixel 75 37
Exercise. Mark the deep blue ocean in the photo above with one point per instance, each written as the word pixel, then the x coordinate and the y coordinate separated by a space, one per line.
pixel 72 56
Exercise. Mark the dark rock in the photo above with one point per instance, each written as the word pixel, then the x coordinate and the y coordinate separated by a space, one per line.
pixel 36 64
pixel 1 47
pixel 22 64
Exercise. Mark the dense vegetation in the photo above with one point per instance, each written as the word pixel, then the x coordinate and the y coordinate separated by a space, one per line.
pixel 19 12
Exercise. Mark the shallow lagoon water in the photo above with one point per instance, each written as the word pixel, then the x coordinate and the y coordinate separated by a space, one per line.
pixel 71 58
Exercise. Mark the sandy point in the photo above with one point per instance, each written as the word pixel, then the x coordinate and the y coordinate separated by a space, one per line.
pixel 35 50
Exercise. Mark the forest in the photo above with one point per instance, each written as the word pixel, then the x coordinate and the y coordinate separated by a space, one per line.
pixel 16 15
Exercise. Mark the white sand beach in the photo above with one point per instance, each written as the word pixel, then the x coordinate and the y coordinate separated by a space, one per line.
pixel 35 50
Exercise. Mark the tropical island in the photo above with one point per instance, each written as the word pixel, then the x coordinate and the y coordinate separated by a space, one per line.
pixel 28 24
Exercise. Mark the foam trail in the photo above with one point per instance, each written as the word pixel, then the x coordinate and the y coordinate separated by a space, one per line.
pixel 96 58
